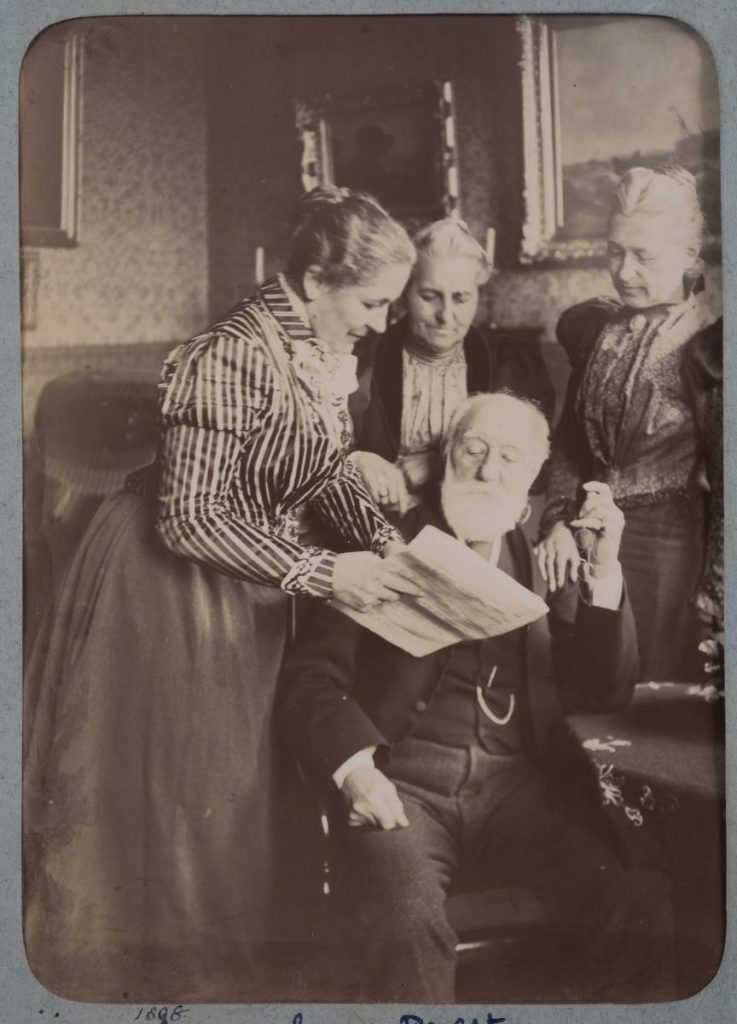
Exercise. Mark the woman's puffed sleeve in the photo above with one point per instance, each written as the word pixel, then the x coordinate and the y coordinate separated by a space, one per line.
pixel 580 326
pixel 346 505
pixel 570 459
pixel 215 392
pixel 702 378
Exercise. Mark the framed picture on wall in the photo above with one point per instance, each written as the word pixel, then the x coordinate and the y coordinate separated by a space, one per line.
pixel 398 146
pixel 580 134
pixel 49 134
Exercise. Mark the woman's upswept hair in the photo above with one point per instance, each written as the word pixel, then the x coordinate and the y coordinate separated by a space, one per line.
pixel 451 237
pixel 347 236
pixel 669 191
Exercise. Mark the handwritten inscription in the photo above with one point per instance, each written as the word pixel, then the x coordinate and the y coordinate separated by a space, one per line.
pixel 162 1013
pixel 411 1018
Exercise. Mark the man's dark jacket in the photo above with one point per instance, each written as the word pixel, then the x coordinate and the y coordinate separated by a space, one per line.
pixel 344 688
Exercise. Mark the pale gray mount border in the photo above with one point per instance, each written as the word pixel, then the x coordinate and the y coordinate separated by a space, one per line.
pixel 22 998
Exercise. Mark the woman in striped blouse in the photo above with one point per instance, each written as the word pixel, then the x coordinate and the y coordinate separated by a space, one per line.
pixel 149 785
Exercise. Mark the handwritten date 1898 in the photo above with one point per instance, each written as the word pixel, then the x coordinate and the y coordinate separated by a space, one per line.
pixel 162 1014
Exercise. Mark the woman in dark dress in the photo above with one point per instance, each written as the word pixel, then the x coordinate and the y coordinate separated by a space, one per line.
pixel 415 375
pixel 148 758
pixel 643 414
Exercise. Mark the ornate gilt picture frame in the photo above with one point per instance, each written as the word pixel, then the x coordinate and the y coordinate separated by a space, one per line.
pixel 579 136
pixel 399 146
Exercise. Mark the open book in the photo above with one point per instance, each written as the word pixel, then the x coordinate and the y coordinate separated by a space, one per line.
pixel 463 597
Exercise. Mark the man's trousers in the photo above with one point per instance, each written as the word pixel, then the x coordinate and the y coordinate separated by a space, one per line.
pixel 490 820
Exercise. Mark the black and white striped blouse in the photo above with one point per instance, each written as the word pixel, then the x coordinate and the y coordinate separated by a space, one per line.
pixel 255 425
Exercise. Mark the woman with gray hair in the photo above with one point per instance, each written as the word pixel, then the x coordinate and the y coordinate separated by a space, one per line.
pixel 414 376
pixel 643 414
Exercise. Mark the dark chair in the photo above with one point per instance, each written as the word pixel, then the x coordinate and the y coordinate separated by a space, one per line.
pixel 90 431
pixel 498 930
pixel 486 919
pixel 499 934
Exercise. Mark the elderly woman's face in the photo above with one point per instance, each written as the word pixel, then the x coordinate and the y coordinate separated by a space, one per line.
pixel 340 316
pixel 648 256
pixel 442 299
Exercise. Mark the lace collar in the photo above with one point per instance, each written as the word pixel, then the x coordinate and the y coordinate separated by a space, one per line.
pixel 325 373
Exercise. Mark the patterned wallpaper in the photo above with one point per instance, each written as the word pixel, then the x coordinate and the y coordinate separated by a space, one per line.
pixel 139 271
pixel 175 196
pixel 252 188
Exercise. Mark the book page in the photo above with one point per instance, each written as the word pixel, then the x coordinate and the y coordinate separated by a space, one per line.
pixel 463 597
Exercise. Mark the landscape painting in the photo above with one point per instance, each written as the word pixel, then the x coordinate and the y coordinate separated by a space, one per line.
pixel 664 109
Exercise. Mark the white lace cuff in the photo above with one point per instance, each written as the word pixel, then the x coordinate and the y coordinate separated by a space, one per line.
pixel 361 757
pixel 312 574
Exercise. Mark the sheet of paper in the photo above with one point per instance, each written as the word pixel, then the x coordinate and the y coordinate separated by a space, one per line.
pixel 463 597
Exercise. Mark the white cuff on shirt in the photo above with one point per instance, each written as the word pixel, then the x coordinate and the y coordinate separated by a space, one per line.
pixel 606 592
pixel 361 757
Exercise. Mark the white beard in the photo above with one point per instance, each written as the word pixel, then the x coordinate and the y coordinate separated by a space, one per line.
pixel 477 512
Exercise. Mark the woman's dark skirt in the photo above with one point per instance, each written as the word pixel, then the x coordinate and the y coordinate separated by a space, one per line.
pixel 662 557
pixel 149 800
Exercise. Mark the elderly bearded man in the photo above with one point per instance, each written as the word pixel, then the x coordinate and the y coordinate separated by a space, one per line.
pixel 459 762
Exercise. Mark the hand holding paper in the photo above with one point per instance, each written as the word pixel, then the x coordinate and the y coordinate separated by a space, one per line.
pixel 461 597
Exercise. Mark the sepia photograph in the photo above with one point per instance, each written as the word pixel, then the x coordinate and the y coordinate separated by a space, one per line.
pixel 373 510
